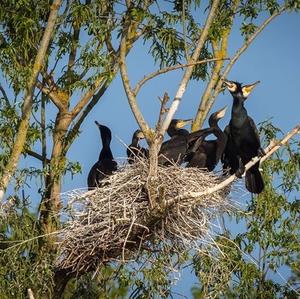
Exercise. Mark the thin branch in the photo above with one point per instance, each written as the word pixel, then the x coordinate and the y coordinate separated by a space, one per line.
pixel 130 94
pixel 75 129
pixel 168 69
pixel 43 131
pixel 73 50
pixel 269 150
pixel 189 70
pixel 86 98
pixel 37 156
pixel 163 110
pixel 4 95
pixel 27 104
pixel 237 56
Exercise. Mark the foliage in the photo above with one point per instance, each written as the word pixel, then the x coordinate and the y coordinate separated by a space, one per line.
pixel 23 264
pixel 248 262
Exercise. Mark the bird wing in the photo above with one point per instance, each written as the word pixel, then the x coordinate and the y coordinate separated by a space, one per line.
pixel 256 133
pixel 173 149
pixel 230 157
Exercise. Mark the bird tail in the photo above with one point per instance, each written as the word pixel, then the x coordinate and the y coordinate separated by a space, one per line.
pixel 254 181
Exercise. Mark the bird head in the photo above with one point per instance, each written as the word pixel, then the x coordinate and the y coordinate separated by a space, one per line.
pixel 221 113
pixel 139 134
pixel 105 133
pixel 239 91
pixel 180 123
pixel 216 116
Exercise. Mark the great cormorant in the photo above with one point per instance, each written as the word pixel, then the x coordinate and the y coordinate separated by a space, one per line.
pixel 134 150
pixel 106 163
pixel 243 139
pixel 207 153
pixel 174 149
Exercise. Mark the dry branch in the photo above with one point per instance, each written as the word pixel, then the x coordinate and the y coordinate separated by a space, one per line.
pixel 169 69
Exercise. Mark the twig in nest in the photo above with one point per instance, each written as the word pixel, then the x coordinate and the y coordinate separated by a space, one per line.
pixel 114 221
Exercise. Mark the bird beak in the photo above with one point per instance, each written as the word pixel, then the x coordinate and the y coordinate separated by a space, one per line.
pixel 140 135
pixel 183 122
pixel 247 89
pixel 231 86
pixel 97 124
pixel 221 113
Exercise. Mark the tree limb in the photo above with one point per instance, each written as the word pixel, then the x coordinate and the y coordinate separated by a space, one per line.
pixel 269 150
pixel 37 156
pixel 168 69
pixel 87 96
pixel 75 129
pixel 53 96
pixel 27 104
pixel 130 94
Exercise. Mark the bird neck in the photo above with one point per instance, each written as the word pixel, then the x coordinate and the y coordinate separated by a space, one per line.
pixel 135 141
pixel 213 123
pixel 238 109
pixel 106 153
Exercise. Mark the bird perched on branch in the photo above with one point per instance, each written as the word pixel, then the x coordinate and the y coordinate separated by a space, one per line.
pixel 207 153
pixel 106 163
pixel 134 150
pixel 174 149
pixel 243 139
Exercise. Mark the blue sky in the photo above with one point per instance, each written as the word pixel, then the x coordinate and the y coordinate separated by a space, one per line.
pixel 273 58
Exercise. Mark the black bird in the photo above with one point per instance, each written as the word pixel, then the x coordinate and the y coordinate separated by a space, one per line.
pixel 106 163
pixel 134 150
pixel 174 149
pixel 243 139
pixel 207 153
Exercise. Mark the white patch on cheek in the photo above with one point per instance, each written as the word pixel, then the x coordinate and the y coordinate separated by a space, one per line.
pixel 232 88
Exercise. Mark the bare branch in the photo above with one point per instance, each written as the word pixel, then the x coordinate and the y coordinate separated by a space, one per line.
pixel 130 95
pixel 75 129
pixel 269 150
pixel 86 98
pixel 168 69
pixel 37 156
pixel 27 104
pixel 189 70
pixel 163 110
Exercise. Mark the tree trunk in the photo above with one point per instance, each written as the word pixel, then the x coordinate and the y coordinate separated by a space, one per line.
pixel 51 203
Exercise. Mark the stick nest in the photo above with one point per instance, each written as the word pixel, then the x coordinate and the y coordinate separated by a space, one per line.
pixel 115 221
